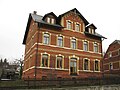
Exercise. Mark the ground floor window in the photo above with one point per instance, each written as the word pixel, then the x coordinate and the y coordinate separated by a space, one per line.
pixel 44 60
pixel 86 64
pixel 73 66
pixel 59 61
pixel 96 65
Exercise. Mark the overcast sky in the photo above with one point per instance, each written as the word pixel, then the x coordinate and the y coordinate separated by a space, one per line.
pixel 104 14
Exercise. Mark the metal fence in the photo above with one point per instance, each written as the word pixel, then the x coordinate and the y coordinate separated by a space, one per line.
pixel 58 83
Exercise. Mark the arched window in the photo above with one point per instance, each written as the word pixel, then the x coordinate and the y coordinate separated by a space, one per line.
pixel 73 66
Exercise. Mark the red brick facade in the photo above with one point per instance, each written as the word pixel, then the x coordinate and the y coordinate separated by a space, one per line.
pixel 111 63
pixel 42 47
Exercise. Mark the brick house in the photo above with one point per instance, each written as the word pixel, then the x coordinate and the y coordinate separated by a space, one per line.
pixel 66 46
pixel 111 61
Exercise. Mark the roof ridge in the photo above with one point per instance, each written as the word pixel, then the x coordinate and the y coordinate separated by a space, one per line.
pixel 115 41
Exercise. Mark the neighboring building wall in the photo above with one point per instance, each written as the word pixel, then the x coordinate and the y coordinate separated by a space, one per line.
pixel 76 62
pixel 111 62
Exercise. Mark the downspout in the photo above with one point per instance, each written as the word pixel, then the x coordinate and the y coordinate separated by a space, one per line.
pixel 36 55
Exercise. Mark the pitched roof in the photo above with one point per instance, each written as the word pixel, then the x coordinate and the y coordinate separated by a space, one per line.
pixel 116 41
pixel 77 12
pixel 51 13
pixel 96 35
pixel 38 19
pixel 92 26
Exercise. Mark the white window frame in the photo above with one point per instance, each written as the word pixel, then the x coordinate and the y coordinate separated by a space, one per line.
pixel 52 20
pixel 73 43
pixel 46 38
pixel 84 46
pixel 62 67
pixel 69 25
pixel 48 19
pixel 97 66
pixel 48 62
pixel 96 47
pixel 84 64
pixel 77 27
pixel 58 39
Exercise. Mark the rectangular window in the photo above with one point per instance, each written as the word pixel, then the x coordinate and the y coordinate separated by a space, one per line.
pixel 73 66
pixel 85 46
pixel 73 43
pixel 48 20
pixel 77 27
pixel 69 25
pixel 59 61
pixel 95 47
pixel 86 64
pixel 52 21
pixel 46 38
pixel 96 65
pixel 60 41
pixel 44 60
pixel 111 66
pixel 89 30
pixel 93 31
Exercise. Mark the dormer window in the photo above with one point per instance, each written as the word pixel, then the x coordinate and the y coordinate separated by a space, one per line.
pixel 50 20
pixel 91 30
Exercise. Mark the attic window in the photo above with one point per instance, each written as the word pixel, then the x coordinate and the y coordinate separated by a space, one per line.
pixel 69 25
pixel 91 30
pixel 50 20
pixel 77 27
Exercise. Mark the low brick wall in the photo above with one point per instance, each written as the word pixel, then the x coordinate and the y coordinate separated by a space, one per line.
pixel 104 87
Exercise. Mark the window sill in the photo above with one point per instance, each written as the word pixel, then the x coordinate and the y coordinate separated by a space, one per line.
pixel 73 74
pixel 97 71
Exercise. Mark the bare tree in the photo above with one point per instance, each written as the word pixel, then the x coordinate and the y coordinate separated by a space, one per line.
pixel 19 62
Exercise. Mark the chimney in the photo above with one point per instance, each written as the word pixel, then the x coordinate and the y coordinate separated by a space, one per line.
pixel 34 12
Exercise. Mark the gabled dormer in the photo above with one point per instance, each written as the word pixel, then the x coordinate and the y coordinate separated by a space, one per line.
pixel 76 12
pixel 50 18
pixel 91 28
